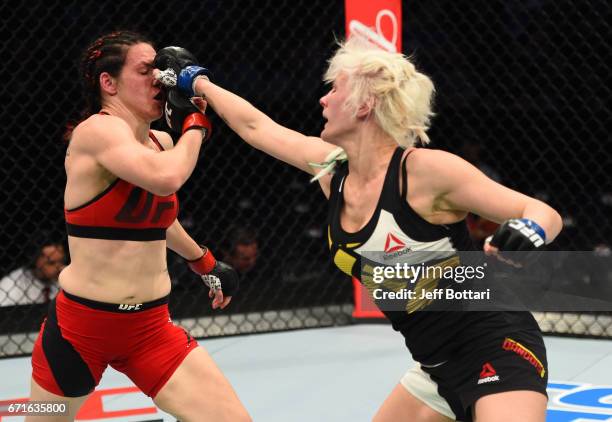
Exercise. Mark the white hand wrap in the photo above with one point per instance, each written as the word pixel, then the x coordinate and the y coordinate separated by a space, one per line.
pixel 167 77
pixel 212 281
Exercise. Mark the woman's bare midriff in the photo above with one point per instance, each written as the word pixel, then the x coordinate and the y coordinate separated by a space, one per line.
pixel 116 271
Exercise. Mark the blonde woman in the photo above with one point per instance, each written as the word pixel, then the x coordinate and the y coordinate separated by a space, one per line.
pixel 377 182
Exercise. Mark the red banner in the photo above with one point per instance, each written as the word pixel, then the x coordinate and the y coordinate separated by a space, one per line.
pixel 380 22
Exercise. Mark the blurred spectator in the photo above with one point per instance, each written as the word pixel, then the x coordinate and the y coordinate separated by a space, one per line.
pixel 37 281
pixel 240 249
pixel 480 228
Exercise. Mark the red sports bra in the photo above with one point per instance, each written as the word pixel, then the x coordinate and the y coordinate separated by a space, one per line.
pixel 124 211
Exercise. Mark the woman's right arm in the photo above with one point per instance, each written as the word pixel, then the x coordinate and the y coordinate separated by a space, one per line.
pixel 262 132
pixel 111 143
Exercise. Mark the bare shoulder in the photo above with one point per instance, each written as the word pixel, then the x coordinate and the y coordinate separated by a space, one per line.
pixel 438 171
pixel 164 139
pixel 426 158
pixel 98 131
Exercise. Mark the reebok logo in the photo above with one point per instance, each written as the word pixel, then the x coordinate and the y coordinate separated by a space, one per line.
pixel 129 307
pixel 487 374
pixel 393 244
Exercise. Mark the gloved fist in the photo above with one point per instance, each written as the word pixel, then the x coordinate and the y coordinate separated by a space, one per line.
pixel 178 68
pixel 175 58
pixel 182 115
pixel 221 278
pixel 518 234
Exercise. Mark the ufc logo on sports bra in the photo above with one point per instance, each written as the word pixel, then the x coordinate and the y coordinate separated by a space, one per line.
pixel 129 214
pixel 127 307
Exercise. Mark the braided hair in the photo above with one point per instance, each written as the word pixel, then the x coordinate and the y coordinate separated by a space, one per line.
pixel 106 54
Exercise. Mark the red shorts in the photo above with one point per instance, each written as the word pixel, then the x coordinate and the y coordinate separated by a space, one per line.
pixel 80 337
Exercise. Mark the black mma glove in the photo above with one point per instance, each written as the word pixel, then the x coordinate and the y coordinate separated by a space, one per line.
pixel 175 58
pixel 179 68
pixel 215 274
pixel 518 234
pixel 181 115
pixel 224 277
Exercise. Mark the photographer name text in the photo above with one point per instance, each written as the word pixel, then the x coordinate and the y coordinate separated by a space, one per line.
pixel 435 294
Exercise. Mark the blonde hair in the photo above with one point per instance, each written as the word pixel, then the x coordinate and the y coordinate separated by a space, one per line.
pixel 401 95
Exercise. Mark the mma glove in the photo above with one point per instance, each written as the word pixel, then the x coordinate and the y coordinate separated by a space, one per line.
pixel 215 274
pixel 518 234
pixel 181 115
pixel 178 67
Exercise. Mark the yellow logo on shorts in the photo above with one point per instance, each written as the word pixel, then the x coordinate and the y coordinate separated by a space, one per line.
pixel 525 353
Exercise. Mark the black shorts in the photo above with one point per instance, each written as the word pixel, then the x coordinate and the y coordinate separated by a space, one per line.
pixel 508 363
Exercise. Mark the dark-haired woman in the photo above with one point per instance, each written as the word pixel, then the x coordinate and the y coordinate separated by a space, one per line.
pixel 121 208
